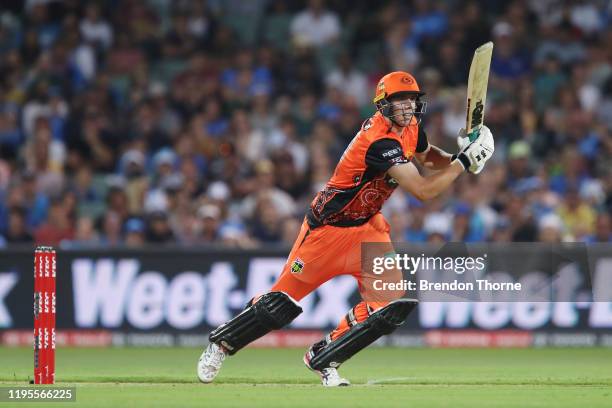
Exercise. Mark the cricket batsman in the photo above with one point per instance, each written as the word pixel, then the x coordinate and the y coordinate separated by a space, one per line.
pixel 341 217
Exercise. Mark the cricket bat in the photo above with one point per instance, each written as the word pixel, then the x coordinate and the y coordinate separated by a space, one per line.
pixel 477 89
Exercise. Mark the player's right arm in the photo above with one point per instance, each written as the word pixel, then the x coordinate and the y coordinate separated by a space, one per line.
pixel 472 157
pixel 425 188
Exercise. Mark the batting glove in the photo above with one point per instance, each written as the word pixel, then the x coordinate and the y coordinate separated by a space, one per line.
pixel 474 155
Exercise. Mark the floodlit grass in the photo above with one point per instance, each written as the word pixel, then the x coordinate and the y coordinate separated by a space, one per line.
pixel 381 377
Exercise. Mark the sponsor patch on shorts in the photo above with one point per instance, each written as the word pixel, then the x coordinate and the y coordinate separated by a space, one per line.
pixel 297 266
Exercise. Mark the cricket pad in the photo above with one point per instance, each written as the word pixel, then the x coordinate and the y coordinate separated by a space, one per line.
pixel 272 311
pixel 361 335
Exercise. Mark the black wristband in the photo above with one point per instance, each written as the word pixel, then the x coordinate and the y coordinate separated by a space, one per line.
pixel 465 162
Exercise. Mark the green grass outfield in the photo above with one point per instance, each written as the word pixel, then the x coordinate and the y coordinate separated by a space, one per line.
pixel 382 377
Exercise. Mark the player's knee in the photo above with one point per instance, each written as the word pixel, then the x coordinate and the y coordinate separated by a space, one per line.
pixel 393 315
pixel 382 321
pixel 270 311
pixel 276 309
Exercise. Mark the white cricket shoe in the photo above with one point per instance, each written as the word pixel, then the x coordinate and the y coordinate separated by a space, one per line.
pixel 210 363
pixel 329 376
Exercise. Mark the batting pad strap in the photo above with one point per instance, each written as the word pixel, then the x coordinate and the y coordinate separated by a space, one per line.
pixel 370 310
pixel 381 322
pixel 351 320
pixel 272 311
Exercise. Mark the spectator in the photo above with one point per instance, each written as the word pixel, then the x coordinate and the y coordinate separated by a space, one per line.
pixel 285 138
pixel 603 229
pixel 35 201
pixel 117 202
pixel 315 26
pixel 132 164
pixel 577 216
pixel 17 232
pixel 216 123
pixel 502 231
pixel 276 25
pixel 415 232
pixel 467 227
pixel 282 202
pixel 266 227
pixel 351 82
pixel 550 229
pixel 518 163
pixel 510 61
pixel 209 216
pixel 398 222
pixel 111 224
pixel 81 185
pixel 91 140
pixel 134 232
pixel 86 235
pixel 437 226
pixel 58 226
pixel 95 30
pixel 158 228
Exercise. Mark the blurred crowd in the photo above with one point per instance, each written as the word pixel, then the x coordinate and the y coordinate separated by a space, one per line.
pixel 130 122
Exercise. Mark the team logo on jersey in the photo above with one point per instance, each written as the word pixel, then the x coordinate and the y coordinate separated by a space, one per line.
pixel 297 266
pixel 370 196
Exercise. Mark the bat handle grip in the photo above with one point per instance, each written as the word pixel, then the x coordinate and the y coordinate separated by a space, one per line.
pixel 473 135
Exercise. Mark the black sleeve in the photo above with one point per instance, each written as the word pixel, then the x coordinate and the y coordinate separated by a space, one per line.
pixel 385 153
pixel 422 142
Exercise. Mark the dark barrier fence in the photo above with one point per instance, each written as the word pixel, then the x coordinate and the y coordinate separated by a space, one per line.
pixel 176 291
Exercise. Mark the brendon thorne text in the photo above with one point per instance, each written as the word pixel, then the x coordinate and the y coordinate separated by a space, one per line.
pixel 425 285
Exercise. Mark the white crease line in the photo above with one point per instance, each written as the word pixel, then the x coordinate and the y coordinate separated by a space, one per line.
pixel 387 380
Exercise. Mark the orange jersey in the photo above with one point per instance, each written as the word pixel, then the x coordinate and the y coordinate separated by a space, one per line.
pixel 360 184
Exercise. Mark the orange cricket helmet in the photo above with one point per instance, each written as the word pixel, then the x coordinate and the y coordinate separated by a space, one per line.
pixel 395 83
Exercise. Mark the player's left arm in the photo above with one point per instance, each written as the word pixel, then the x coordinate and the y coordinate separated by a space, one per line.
pixel 430 156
